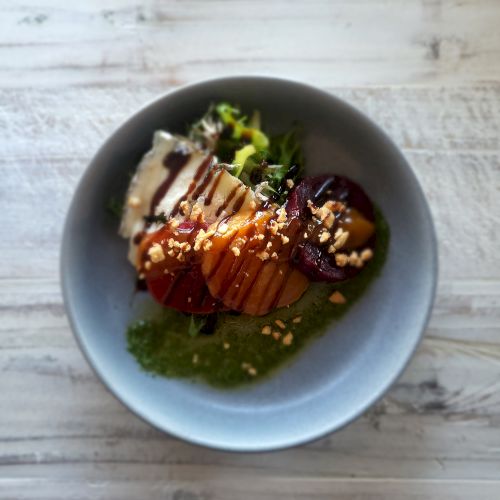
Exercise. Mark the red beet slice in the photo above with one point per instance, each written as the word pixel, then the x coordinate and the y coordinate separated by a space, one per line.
pixel 310 258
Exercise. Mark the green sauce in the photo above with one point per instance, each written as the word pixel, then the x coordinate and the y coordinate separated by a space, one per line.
pixel 162 345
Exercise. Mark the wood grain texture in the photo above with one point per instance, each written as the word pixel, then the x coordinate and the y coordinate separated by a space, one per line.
pixel 426 71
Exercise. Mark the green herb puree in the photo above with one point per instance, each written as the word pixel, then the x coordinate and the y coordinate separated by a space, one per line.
pixel 166 344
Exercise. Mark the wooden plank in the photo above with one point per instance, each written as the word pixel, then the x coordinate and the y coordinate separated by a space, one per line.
pixel 110 42
pixel 200 483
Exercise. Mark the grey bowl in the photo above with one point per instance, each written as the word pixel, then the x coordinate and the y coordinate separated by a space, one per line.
pixel 339 375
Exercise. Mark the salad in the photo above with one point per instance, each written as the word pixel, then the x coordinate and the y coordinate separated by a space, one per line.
pixel 246 256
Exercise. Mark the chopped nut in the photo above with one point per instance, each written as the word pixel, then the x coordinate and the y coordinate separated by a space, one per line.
pixel 297 319
pixel 338 232
pixel 329 220
pixel 207 245
pixel 262 255
pixel 180 257
pixel 312 207
pixel 222 229
pixel 337 298
pixel 274 256
pixel 273 227
pixel 226 345
pixel 134 202
pixel 330 205
pixel 269 244
pixel 355 260
pixel 288 339
pixel 341 259
pixel 171 253
pixel 284 239
pixel 366 254
pixel 184 207
pixel 305 236
pixel 261 236
pixel 280 324
pixel 196 212
pixel 171 243
pixel 322 213
pixel 147 265
pixel 195 358
pixel 289 183
pixel 236 251
pixel 266 330
pixel 331 249
pixel 156 253
pixel 252 371
pixel 281 215
pixel 174 223
pixel 341 240
pixel 276 335
pixel 324 237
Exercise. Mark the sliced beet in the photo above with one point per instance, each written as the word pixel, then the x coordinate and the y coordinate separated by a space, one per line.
pixel 322 188
pixel 310 257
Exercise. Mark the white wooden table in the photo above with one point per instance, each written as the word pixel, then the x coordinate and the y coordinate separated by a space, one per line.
pixel 428 71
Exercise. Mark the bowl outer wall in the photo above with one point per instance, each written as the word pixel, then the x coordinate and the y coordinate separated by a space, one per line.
pixel 336 377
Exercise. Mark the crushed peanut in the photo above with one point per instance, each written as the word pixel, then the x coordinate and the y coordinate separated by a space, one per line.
pixel 174 223
pixel 207 245
pixel 147 265
pixel 297 319
pixel 312 207
pixel 355 260
pixel 273 227
pixel 236 251
pixel 280 324
pixel 171 253
pixel 252 371
pixel 288 339
pixel 337 298
pixel 184 207
pixel 341 259
pixel 341 240
pixel 305 236
pixel 338 232
pixel 322 213
pixel 226 345
pixel 261 236
pixel 266 330
pixel 289 183
pixel 331 249
pixel 276 335
pixel 329 220
pixel 366 254
pixel 274 256
pixel 262 255
pixel 156 253
pixel 324 237
pixel 281 215
pixel 284 239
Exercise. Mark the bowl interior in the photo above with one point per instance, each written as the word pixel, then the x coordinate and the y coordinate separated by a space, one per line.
pixel 338 375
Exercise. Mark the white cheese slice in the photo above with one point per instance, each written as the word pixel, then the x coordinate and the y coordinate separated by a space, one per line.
pixel 150 175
